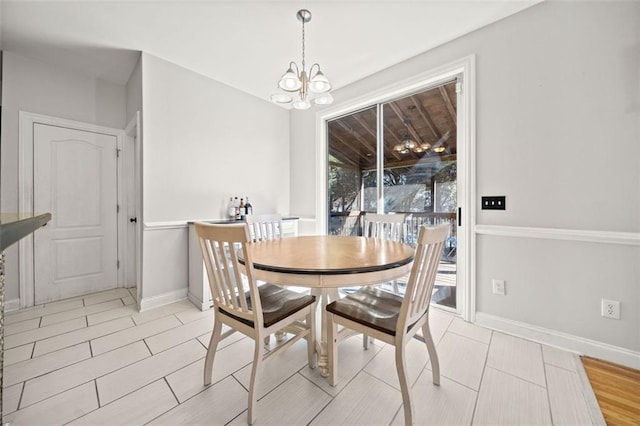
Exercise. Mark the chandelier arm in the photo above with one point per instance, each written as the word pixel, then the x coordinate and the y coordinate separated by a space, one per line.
pixel 294 67
pixel 311 73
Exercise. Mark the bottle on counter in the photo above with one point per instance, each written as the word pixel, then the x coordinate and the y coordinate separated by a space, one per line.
pixel 231 209
pixel 248 208
pixel 241 211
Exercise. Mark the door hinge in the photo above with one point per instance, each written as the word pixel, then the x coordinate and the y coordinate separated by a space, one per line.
pixel 118 264
pixel 459 87
pixel 117 208
pixel 118 152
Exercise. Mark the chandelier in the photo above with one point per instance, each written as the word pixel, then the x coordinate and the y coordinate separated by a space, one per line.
pixel 407 144
pixel 300 88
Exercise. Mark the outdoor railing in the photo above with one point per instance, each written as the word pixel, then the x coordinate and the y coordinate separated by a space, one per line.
pixel 350 223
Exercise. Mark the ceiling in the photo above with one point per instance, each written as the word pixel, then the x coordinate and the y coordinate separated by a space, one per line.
pixel 244 44
pixel 427 118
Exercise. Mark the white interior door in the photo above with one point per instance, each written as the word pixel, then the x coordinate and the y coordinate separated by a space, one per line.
pixel 74 178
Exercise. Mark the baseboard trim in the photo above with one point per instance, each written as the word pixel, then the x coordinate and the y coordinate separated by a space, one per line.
pixel 561 340
pixel 147 303
pixel 11 305
pixel 198 303
pixel 608 237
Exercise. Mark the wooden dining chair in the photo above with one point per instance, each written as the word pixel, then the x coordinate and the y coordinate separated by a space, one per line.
pixel 264 226
pixel 385 226
pixel 255 311
pixel 392 318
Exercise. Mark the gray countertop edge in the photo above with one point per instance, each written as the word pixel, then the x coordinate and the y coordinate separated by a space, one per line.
pixel 224 221
pixel 12 232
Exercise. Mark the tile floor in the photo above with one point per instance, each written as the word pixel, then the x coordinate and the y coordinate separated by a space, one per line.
pixel 96 360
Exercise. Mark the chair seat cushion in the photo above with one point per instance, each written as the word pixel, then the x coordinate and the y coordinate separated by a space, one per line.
pixel 370 306
pixel 277 304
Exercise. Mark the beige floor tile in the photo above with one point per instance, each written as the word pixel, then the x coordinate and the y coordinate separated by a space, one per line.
pixel 189 380
pixel 189 315
pixel 175 336
pixel 383 365
pixel 447 404
pixel 79 312
pixel 518 357
pixel 163 311
pixel 21 371
pixel 128 300
pixel 217 404
pixel 129 335
pixel 135 376
pixel 60 409
pixel 111 314
pixel 44 332
pixel 22 326
pixel 73 375
pixel 462 359
pixel 116 293
pixel 568 405
pixel 559 358
pixel 365 400
pixel 206 338
pixel 136 408
pixel 295 402
pixel 352 358
pixel 11 398
pixel 36 312
pixel 508 400
pixel 277 369
pixel 439 322
pixel 20 353
pixel 472 331
pixel 82 335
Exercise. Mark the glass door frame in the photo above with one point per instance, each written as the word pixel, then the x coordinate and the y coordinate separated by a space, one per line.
pixel 464 70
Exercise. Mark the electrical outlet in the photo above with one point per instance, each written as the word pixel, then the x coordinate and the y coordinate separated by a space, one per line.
pixel 610 309
pixel 498 287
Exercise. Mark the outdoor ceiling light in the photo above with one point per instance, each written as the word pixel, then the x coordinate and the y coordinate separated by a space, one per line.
pixel 302 88
pixel 407 144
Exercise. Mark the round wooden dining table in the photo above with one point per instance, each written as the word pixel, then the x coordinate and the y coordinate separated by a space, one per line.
pixel 325 263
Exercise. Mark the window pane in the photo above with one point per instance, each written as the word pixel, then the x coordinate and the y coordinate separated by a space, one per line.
pixel 351 170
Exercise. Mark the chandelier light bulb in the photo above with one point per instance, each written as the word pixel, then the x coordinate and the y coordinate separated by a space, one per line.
pixel 319 83
pixel 301 104
pixel 281 98
pixel 290 81
pixel 325 99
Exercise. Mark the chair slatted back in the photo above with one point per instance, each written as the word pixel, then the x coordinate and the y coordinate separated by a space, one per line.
pixel 385 226
pixel 264 226
pixel 219 245
pixel 423 275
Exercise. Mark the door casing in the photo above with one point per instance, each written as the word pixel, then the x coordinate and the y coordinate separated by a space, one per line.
pixel 25 195
pixel 463 68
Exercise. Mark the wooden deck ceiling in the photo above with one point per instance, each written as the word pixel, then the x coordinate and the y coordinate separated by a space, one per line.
pixel 428 117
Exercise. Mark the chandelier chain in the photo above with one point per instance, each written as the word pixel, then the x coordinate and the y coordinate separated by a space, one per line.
pixel 303 45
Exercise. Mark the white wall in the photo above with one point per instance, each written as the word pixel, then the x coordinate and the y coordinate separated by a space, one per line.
pixel 134 91
pixel 203 142
pixel 34 86
pixel 558 116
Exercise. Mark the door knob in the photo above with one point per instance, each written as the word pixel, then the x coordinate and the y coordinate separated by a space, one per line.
pixel 133 220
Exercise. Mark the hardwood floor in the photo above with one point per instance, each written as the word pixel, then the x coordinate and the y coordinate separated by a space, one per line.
pixel 617 389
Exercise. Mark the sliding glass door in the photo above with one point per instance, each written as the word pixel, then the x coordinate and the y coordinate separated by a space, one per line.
pixel 399 157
